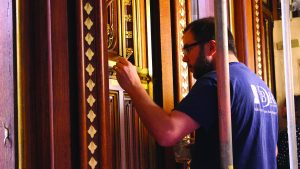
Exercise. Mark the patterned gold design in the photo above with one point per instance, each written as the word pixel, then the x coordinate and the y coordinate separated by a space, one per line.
pixel 127 2
pixel 92 131
pixel 128 34
pixel 258 39
pixel 128 18
pixel 91 100
pixel 92 147
pixel 92 163
pixel 88 8
pixel 89 38
pixel 90 69
pixel 89 53
pixel 90 84
pixel 88 23
pixel 184 68
pixel 91 116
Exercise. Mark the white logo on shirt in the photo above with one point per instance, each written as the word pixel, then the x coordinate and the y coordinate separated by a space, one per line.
pixel 261 96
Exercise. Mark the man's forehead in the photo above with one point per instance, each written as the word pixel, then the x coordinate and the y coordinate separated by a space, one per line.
pixel 188 36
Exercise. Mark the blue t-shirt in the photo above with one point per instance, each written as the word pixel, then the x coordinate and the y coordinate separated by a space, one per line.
pixel 254 120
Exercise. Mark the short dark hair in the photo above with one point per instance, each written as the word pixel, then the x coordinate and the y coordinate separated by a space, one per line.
pixel 204 30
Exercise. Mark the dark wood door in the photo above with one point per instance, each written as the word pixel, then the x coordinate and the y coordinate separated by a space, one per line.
pixel 7 94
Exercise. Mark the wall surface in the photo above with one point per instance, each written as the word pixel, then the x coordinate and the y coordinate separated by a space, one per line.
pixel 279 63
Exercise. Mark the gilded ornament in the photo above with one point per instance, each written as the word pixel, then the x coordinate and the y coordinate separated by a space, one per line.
pixel 92 131
pixel 90 84
pixel 89 38
pixel 90 69
pixel 92 163
pixel 89 53
pixel 128 34
pixel 91 100
pixel 91 116
pixel 88 23
pixel 92 147
pixel 88 8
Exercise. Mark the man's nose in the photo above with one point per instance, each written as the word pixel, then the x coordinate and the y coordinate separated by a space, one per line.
pixel 185 58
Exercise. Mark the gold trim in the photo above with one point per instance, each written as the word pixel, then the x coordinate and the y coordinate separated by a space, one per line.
pixel 120 22
pixel 92 131
pixel 89 53
pixel 89 38
pixel 88 8
pixel 91 116
pixel 90 69
pixel 92 147
pixel 91 100
pixel 90 84
pixel 92 163
pixel 258 40
pixel 21 135
pixel 231 11
pixel 88 23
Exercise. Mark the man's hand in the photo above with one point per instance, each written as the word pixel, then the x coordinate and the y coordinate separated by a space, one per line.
pixel 127 75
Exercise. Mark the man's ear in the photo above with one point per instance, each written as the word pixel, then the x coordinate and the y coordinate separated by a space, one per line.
pixel 212 47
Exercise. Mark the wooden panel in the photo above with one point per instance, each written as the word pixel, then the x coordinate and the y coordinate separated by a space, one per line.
pixel 244 32
pixel 7 87
pixel 95 132
pixel 43 86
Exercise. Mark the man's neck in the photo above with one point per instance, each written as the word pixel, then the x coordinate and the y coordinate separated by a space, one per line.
pixel 232 58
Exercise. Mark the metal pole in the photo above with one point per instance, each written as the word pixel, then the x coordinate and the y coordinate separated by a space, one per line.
pixel 223 84
pixel 289 84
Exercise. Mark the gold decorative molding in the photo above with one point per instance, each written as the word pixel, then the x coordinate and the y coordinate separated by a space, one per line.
pixel 258 42
pixel 92 163
pixel 92 131
pixel 184 79
pixel 92 147
pixel 90 69
pixel 89 38
pixel 91 100
pixel 88 8
pixel 89 53
pixel 91 116
pixel 89 48
pixel 88 23
pixel 90 84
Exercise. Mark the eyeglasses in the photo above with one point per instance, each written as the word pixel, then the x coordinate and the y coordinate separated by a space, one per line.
pixel 187 48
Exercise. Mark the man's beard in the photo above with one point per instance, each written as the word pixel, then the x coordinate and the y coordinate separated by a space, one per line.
pixel 202 65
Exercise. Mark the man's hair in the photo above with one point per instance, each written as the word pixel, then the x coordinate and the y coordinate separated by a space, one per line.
pixel 204 31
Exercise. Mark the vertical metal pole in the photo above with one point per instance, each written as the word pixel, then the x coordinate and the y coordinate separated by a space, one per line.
pixel 223 84
pixel 289 84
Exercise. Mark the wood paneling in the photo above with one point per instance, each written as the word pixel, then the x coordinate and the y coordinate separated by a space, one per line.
pixel 43 84
pixel 244 32
pixel 8 159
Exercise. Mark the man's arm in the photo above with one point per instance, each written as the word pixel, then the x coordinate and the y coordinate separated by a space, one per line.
pixel 166 127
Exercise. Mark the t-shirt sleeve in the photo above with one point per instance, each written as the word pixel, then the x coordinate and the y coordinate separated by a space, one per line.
pixel 201 103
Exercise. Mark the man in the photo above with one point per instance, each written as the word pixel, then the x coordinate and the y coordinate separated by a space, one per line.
pixel 253 108
pixel 283 160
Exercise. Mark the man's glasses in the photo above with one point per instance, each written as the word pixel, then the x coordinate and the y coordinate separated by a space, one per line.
pixel 187 48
